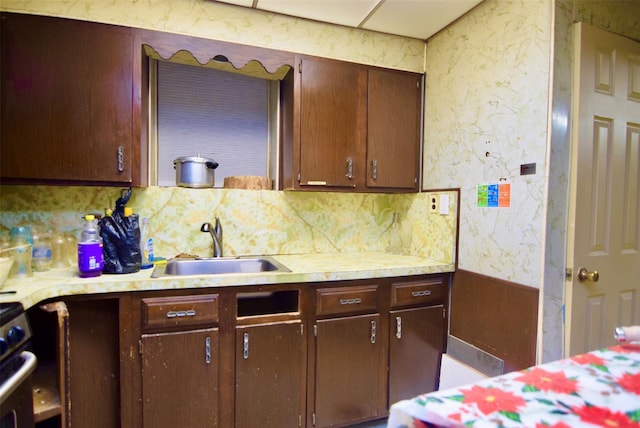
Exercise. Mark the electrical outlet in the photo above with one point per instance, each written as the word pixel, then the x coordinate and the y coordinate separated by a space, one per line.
pixel 434 203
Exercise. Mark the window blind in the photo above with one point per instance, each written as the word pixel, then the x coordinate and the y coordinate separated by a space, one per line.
pixel 214 114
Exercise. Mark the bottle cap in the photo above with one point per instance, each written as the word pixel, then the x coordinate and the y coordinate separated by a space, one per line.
pixel 128 211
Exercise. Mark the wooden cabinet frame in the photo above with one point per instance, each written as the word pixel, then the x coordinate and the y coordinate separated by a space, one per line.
pixel 101 363
pixel 343 126
pixel 350 127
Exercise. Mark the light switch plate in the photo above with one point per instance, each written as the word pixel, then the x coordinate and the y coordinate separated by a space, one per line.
pixel 444 204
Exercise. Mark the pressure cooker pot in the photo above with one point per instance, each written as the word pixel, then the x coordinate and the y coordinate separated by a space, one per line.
pixel 195 171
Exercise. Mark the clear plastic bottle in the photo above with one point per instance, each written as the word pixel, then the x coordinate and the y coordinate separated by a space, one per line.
pixel 146 245
pixel 395 240
pixel 41 250
pixel 90 257
pixel 21 241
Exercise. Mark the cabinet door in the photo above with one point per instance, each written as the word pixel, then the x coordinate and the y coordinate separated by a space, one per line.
pixel 332 128
pixel 393 138
pixel 415 351
pixel 180 379
pixel 67 100
pixel 270 375
pixel 347 366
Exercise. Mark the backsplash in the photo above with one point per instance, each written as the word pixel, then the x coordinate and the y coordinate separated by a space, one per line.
pixel 254 222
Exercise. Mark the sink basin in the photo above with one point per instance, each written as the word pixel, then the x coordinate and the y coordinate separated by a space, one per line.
pixel 217 266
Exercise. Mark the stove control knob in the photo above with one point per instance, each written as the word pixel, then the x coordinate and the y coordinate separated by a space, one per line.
pixel 4 346
pixel 15 335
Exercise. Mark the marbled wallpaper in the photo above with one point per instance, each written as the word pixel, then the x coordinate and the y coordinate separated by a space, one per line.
pixel 488 91
pixel 254 222
pixel 219 21
pixel 486 112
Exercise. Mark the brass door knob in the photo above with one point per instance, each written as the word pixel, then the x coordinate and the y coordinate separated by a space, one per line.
pixel 585 275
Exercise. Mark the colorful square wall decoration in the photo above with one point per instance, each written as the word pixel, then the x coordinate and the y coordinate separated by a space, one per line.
pixel 494 195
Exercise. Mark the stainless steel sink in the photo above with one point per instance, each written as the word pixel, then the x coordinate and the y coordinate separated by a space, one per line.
pixel 217 266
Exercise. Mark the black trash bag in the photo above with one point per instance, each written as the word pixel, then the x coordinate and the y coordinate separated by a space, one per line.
pixel 121 239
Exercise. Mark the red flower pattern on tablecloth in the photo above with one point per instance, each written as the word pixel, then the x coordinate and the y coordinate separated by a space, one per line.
pixel 548 381
pixel 600 388
pixel 489 400
pixel 630 382
pixel 604 417
pixel 629 348
pixel 556 425
pixel 586 359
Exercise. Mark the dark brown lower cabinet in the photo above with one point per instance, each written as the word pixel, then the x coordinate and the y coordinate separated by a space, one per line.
pixel 415 351
pixel 347 370
pixel 180 379
pixel 271 366
pixel 330 354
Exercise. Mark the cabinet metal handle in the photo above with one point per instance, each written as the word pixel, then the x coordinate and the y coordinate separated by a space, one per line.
pixel 207 350
pixel 354 301
pixel 373 332
pixel 421 293
pixel 399 327
pixel 179 314
pixel 349 168
pixel 245 346
pixel 374 165
pixel 120 158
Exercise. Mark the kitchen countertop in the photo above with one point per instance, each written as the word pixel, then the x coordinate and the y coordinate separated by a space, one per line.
pixel 304 268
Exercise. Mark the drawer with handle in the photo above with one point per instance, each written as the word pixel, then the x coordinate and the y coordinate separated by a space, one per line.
pixel 427 291
pixel 346 299
pixel 159 312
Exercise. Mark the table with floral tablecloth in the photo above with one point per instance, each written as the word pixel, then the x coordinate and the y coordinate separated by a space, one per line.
pixel 599 388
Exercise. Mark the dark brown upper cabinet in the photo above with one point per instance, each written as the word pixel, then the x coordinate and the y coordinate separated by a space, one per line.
pixel 393 129
pixel 72 93
pixel 354 128
pixel 70 102
pixel 332 130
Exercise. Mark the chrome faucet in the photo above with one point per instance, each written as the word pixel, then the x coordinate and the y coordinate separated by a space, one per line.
pixel 216 235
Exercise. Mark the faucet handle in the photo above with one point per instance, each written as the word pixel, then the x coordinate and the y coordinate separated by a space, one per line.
pixel 218 228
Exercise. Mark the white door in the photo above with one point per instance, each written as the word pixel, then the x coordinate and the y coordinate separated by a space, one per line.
pixel 604 227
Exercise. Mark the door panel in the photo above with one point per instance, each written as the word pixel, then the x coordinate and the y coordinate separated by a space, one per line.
pixel 605 181
pixel 67 103
pixel 332 122
pixel 393 145
pixel 179 383
pixel 347 361
pixel 415 351
pixel 270 375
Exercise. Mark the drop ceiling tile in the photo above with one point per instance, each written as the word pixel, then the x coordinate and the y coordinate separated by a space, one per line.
pixel 342 12
pixel 417 18
pixel 245 3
